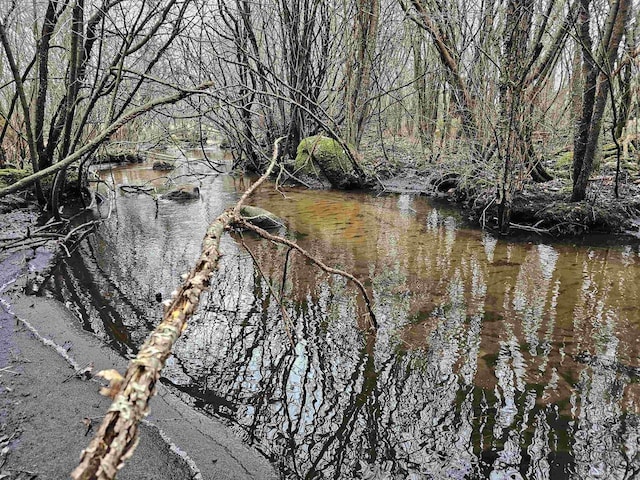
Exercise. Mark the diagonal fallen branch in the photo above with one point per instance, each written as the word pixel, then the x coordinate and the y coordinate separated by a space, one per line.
pixel 117 437
pixel 102 137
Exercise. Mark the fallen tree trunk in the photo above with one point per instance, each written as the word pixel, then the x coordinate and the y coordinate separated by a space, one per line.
pixel 117 437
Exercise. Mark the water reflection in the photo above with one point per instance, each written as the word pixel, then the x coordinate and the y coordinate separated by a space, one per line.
pixel 493 360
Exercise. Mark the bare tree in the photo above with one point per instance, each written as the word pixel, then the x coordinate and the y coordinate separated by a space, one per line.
pixel 86 76
pixel 597 66
pixel 359 66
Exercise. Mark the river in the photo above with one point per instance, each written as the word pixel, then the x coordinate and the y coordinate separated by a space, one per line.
pixel 499 359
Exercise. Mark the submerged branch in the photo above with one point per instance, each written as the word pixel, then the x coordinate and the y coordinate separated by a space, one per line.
pixel 288 323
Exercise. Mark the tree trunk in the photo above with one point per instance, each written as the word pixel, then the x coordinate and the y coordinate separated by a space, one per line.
pixel 17 78
pixel 514 127
pixel 359 69
pixel 449 57
pixel 596 90
pixel 426 91
pixel 624 82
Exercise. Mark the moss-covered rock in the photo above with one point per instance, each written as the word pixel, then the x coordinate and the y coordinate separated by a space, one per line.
pixel 118 157
pixel 260 217
pixel 9 176
pixel 324 160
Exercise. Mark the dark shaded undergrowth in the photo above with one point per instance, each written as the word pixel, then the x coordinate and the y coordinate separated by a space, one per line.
pixel 543 208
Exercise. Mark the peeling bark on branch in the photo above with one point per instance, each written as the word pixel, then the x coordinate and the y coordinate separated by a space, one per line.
pixel 117 437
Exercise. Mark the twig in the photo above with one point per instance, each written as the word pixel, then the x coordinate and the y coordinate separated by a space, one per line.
pixel 483 216
pixel 284 270
pixel 66 250
pixel 41 237
pixel 26 242
pixel 291 175
pixel 529 228
pixel 285 316
pixel 89 225
pixel 273 238
pixel 136 189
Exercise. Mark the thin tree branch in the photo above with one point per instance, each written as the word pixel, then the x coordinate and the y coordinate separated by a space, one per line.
pixel 276 239
pixel 101 137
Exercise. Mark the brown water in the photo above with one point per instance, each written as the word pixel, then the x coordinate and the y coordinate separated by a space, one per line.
pixel 494 359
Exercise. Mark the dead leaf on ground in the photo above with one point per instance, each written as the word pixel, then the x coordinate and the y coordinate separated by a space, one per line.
pixel 115 382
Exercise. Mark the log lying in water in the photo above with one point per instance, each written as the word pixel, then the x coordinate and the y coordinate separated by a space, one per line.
pixel 117 437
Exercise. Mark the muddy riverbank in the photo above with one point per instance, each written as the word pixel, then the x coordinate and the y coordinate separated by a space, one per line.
pixel 541 208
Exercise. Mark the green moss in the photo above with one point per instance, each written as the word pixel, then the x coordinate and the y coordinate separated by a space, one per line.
pixel 70 182
pixel 323 150
pixel 9 176
pixel 609 149
pixel 562 164
pixel 611 164
pixel 564 160
pixel 320 156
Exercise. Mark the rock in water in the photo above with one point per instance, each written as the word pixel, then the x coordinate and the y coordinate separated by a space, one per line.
pixel 163 165
pixel 324 160
pixel 260 217
pixel 186 191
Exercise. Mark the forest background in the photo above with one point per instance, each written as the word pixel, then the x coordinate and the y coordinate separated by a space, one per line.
pixel 483 96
